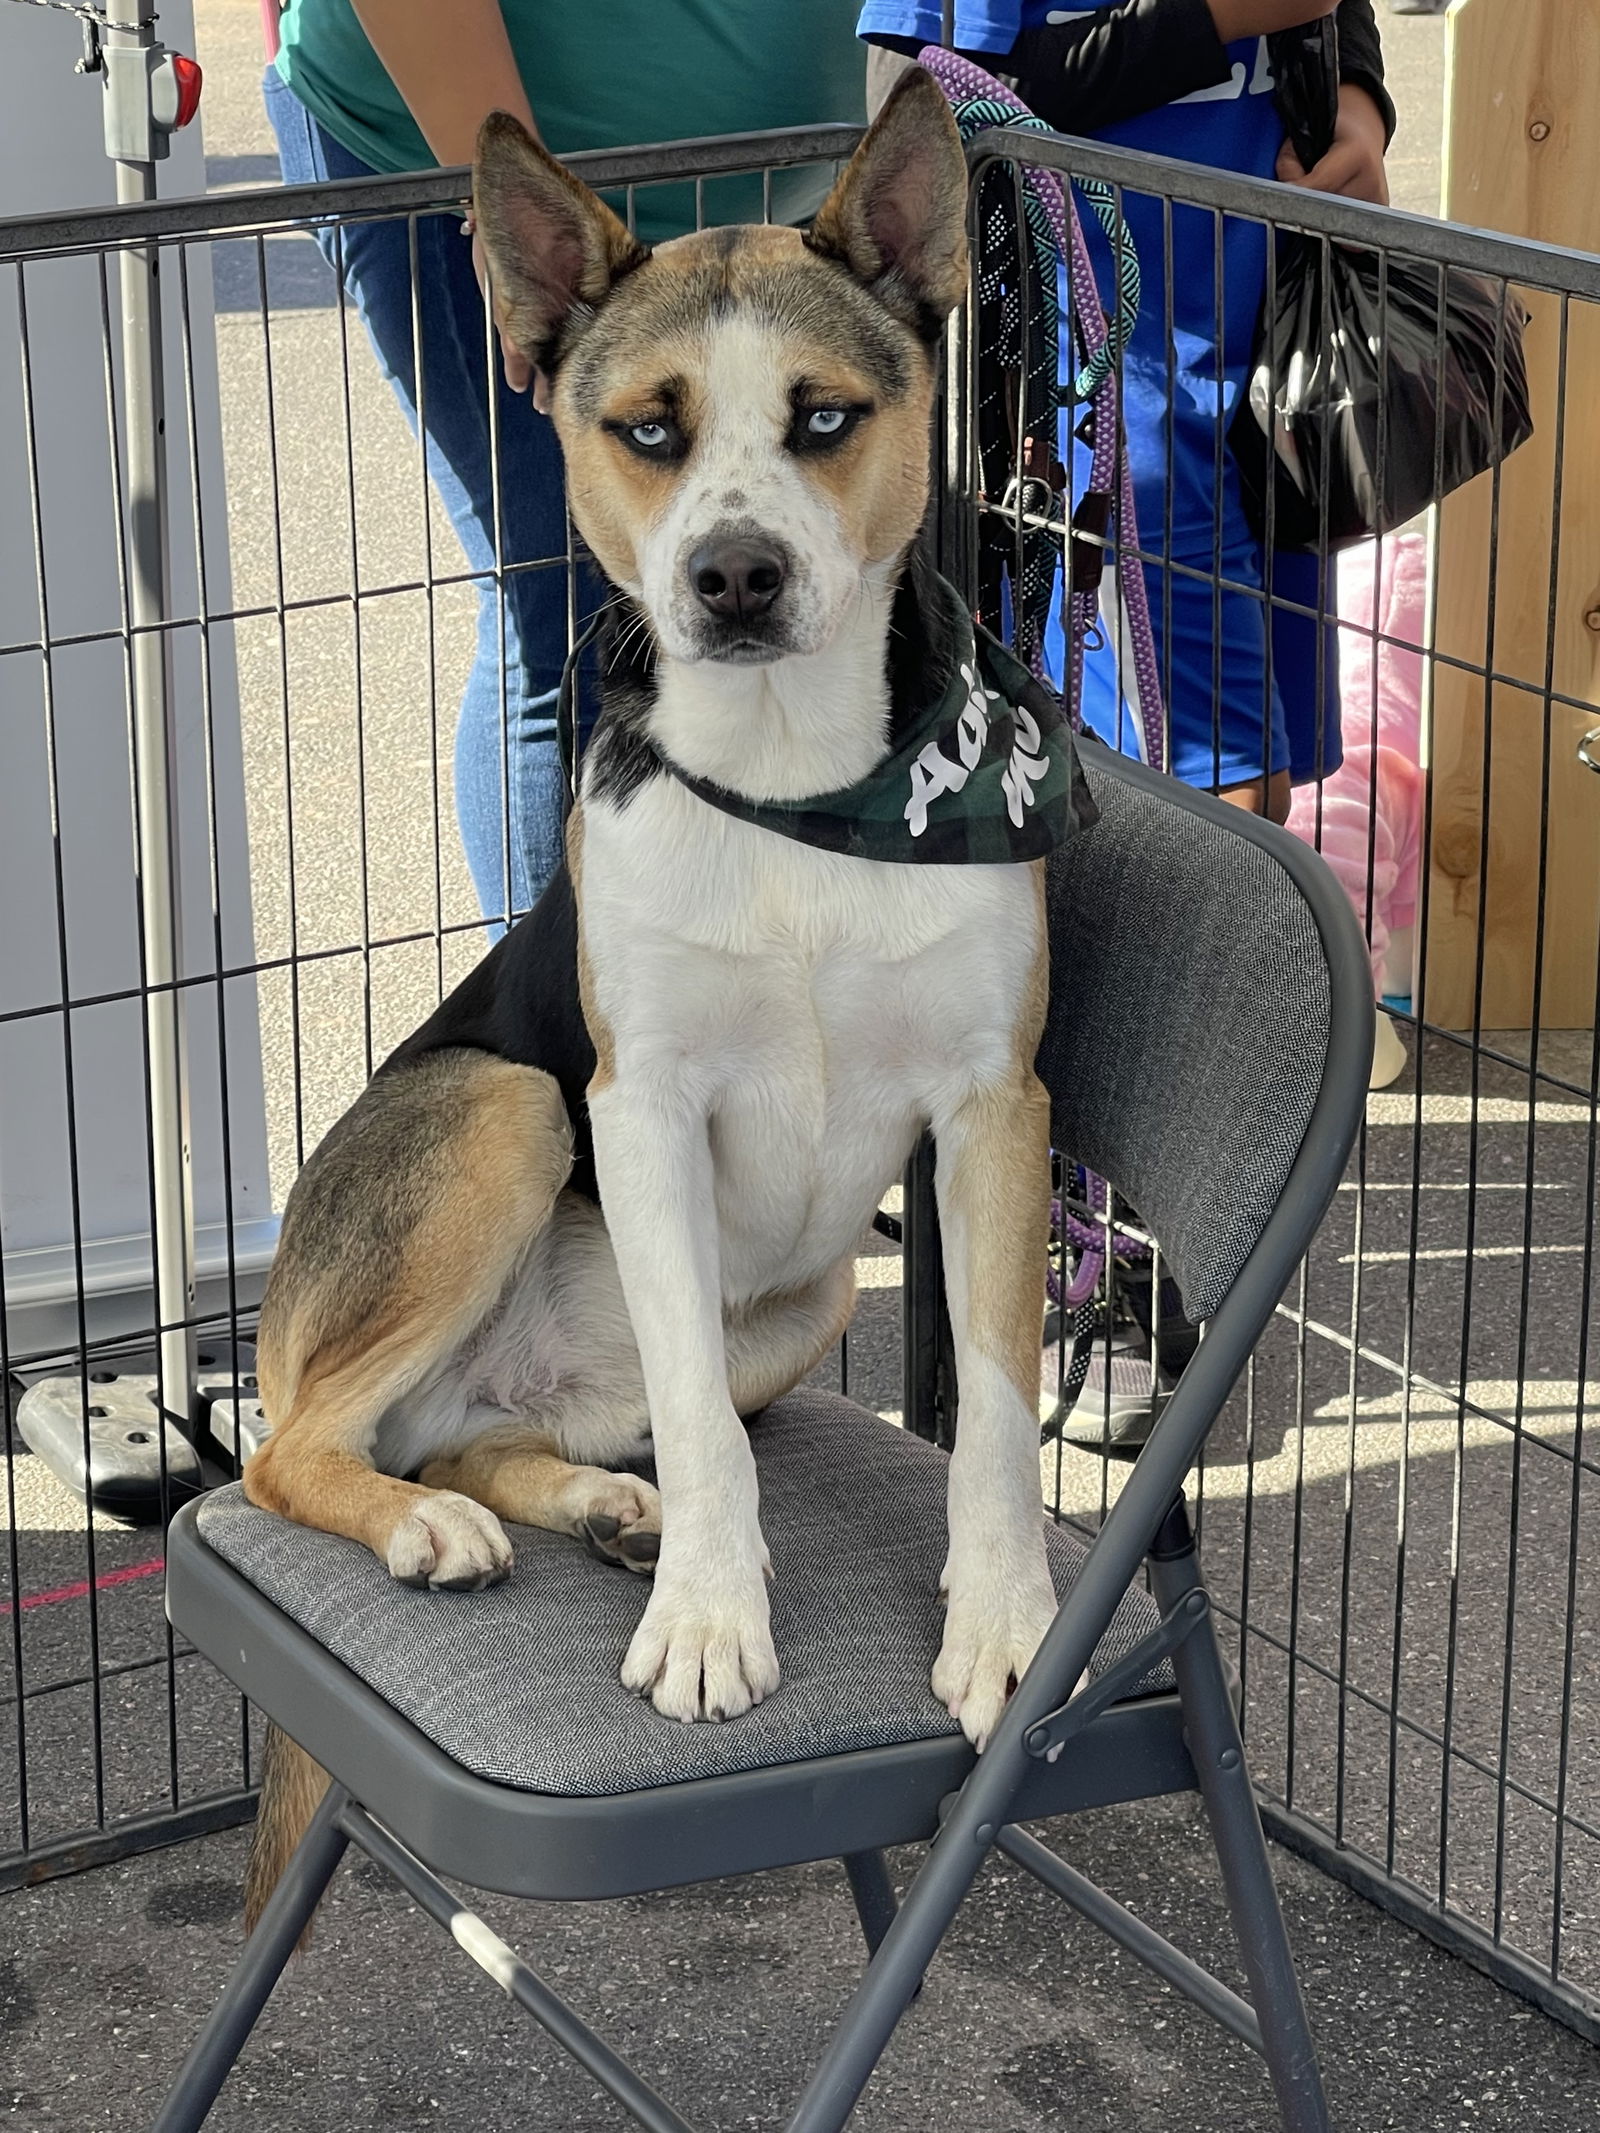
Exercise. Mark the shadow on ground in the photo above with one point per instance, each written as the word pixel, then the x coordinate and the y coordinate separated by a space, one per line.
pixel 724 1996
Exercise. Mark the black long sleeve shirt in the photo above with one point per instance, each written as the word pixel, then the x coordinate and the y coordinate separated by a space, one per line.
pixel 1134 57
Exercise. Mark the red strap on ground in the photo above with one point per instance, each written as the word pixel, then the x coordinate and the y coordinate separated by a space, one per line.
pixel 82 1589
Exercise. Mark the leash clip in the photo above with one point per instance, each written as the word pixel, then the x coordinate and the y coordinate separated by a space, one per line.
pixel 1028 494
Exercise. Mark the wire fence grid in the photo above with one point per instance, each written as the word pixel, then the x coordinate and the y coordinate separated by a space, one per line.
pixel 1399 1507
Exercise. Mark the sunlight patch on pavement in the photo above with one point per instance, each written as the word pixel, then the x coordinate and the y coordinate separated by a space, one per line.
pixel 1382 1437
pixel 1398 1107
pixel 1454 1251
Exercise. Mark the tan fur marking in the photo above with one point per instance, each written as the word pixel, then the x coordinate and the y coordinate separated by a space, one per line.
pixel 879 491
pixel 777 1346
pixel 1001 1183
pixel 519 1474
pixel 652 344
pixel 607 515
pixel 327 1377
pixel 600 1032
pixel 876 483
pixel 511 1471
pixel 292 1786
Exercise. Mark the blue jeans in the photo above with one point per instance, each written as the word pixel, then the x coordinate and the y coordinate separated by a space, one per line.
pixel 507 763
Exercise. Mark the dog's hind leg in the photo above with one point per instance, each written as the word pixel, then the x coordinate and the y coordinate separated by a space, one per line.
pixel 517 1469
pixel 398 1239
pixel 779 1342
pixel 517 1472
pixel 398 1242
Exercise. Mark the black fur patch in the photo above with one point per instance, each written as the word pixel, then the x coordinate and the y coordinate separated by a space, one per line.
pixel 619 759
pixel 521 1003
pixel 921 652
pixel 807 295
pixel 891 289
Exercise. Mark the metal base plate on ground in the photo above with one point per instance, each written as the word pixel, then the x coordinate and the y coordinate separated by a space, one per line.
pixel 237 1425
pixel 102 1437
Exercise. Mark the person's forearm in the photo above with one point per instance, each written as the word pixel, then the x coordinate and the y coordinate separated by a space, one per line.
pixel 1361 56
pixel 1107 66
pixel 453 65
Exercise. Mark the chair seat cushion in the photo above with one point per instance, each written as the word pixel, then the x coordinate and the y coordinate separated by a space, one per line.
pixel 519 1685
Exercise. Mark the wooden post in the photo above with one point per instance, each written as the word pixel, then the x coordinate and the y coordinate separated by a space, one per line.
pixel 1522 154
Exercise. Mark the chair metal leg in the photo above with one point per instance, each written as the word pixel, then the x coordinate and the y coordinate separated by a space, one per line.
pixel 892 1981
pixel 1230 1802
pixel 967 1835
pixel 479 1940
pixel 874 1895
pixel 257 1970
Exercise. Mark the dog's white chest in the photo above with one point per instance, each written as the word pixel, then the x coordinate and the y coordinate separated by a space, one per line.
pixel 817 1011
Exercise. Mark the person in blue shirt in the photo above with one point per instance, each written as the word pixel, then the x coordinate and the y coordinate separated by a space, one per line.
pixel 1250 683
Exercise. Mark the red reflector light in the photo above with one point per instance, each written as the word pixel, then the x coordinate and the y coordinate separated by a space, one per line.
pixel 189 78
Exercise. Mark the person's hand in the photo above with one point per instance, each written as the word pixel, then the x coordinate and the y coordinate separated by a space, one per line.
pixel 519 371
pixel 1354 164
pixel 1261 18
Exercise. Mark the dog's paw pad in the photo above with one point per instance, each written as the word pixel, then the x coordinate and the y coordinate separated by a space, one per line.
pixel 697 1658
pixel 989 1641
pixel 617 1517
pixel 451 1543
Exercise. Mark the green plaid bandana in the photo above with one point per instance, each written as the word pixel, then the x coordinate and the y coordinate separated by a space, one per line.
pixel 984 775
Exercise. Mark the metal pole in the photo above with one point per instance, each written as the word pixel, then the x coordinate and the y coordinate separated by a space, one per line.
pixel 260 1965
pixel 130 26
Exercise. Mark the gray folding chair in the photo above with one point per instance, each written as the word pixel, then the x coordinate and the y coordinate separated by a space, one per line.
pixel 1208 1049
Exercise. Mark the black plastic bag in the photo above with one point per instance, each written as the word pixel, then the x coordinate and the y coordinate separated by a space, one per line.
pixel 1305 75
pixel 1372 412
pixel 1361 411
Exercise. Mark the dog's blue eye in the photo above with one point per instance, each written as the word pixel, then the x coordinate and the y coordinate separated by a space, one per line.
pixel 827 421
pixel 649 436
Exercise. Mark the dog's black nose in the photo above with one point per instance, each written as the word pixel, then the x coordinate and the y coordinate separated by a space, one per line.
pixel 737 580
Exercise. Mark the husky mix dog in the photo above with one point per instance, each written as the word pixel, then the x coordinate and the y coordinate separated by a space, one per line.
pixel 607 1201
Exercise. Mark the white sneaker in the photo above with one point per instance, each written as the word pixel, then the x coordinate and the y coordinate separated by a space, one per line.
pixel 1389 1059
pixel 1115 1404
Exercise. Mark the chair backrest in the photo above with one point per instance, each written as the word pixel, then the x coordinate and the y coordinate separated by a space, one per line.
pixel 1211 998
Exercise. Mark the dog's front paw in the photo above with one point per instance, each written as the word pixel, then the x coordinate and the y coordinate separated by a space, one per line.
pixel 448 1540
pixel 991 1632
pixel 616 1516
pixel 701 1652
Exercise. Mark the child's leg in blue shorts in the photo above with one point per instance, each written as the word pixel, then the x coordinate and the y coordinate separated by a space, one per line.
pixel 1245 699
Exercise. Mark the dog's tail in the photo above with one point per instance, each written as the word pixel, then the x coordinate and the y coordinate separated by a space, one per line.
pixel 292 1786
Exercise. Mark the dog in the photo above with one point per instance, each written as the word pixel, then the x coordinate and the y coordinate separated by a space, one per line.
pixel 607 1201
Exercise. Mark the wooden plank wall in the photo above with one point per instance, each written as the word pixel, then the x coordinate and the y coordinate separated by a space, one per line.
pixel 1522 154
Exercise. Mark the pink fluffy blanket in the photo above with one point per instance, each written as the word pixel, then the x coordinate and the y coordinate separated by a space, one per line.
pixel 1366 820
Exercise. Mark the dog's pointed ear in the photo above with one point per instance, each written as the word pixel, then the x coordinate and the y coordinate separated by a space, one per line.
pixel 898 216
pixel 554 250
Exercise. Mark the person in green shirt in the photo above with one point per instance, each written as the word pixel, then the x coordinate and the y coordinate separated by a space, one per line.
pixel 365 86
